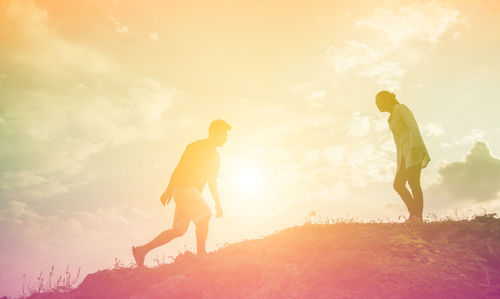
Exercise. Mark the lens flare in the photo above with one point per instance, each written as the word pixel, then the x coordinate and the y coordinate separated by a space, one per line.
pixel 248 178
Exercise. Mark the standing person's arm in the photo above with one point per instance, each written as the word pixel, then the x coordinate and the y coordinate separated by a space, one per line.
pixel 214 190
pixel 415 139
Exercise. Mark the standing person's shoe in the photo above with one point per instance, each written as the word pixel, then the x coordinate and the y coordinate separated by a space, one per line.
pixel 138 257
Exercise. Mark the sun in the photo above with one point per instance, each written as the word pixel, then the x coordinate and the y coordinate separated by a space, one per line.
pixel 247 178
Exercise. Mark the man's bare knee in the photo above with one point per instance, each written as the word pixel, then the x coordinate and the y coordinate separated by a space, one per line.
pixel 203 221
pixel 178 230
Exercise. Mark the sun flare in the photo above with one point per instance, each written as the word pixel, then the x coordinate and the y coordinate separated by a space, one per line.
pixel 248 178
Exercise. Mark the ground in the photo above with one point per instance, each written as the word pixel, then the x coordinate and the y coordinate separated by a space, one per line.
pixel 441 259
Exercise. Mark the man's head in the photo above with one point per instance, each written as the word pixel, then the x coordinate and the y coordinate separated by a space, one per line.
pixel 217 132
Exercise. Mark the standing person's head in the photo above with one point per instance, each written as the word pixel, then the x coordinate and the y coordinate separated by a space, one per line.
pixel 217 132
pixel 386 101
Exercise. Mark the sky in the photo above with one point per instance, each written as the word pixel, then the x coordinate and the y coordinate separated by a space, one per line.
pixel 98 100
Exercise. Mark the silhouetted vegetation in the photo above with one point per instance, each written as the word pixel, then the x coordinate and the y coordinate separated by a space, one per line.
pixel 324 258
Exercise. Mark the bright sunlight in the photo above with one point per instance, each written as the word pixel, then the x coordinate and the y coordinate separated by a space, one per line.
pixel 247 177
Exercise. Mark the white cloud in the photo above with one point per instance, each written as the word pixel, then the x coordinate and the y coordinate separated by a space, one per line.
pixel 76 103
pixel 477 178
pixel 119 27
pixel 334 154
pixel 28 185
pixel 379 123
pixel 30 42
pixel 312 155
pixel 359 125
pixel 335 191
pixel 313 97
pixel 416 22
pixel 388 73
pixel 433 129
pixel 152 98
pixel 393 40
pixel 475 136
pixel 351 55
pixel 341 190
pixel 369 164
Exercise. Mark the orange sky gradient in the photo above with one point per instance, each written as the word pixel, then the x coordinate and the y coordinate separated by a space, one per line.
pixel 99 98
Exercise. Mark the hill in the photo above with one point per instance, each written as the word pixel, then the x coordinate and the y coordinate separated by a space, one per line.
pixel 443 259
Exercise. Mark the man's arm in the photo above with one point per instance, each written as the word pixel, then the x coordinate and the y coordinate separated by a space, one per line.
pixel 172 184
pixel 167 195
pixel 212 186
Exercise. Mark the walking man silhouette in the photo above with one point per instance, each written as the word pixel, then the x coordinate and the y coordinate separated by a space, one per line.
pixel 412 154
pixel 198 165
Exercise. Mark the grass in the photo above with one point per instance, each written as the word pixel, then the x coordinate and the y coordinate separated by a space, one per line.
pixel 65 283
pixel 323 258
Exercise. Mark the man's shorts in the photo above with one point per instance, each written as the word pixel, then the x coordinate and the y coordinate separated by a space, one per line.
pixel 189 206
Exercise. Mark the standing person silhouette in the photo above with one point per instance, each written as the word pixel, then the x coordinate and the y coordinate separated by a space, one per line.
pixel 412 154
pixel 198 165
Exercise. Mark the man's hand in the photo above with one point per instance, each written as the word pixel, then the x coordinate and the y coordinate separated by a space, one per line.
pixel 218 210
pixel 165 198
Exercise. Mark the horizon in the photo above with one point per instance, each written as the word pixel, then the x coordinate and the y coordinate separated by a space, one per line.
pixel 99 99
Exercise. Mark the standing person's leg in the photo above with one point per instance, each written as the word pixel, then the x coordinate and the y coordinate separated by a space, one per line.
pixel 400 187
pixel 413 174
pixel 179 228
pixel 201 235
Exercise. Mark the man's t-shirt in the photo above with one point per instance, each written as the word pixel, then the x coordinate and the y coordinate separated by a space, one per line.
pixel 199 163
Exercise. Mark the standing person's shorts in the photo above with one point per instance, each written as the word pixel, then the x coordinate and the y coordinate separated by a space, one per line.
pixel 189 206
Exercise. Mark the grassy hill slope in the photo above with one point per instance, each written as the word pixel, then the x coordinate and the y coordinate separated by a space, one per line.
pixel 446 259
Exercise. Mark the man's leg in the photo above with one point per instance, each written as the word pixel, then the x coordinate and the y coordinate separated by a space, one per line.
pixel 400 187
pixel 201 235
pixel 178 229
pixel 413 174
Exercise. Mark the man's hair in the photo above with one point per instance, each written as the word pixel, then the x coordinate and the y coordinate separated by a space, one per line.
pixel 217 126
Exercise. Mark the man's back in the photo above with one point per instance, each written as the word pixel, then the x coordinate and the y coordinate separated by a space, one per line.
pixel 198 163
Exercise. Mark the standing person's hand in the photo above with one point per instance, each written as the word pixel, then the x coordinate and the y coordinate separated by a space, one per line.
pixel 218 210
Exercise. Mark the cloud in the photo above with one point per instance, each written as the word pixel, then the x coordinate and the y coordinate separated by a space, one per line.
pixel 393 40
pixel 359 125
pixel 335 191
pixel 312 155
pixel 417 22
pixel 119 27
pixel 29 41
pixel 473 137
pixel 313 97
pixel 433 129
pixel 354 53
pixel 334 154
pixel 370 164
pixel 477 178
pixel 63 103
pixel 30 185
